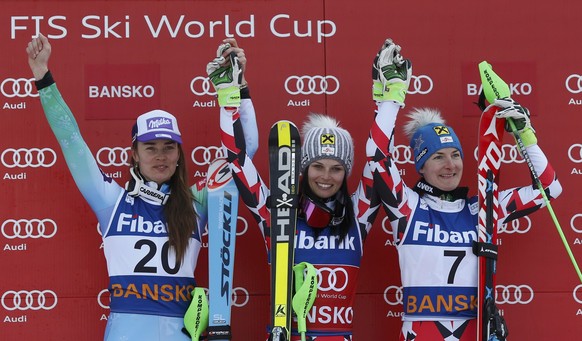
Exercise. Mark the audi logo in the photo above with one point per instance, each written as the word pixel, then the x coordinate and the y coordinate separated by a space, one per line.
pixel 201 86
pixel 575 153
pixel 513 294
pixel 29 300
pixel 33 228
pixel 312 85
pixel 329 279
pixel 574 83
pixel 420 85
pixel 203 156
pixel 402 154
pixel 395 292
pixel 575 294
pixel 33 157
pixel 116 156
pixel 104 298
pixel 509 154
pixel 18 87
pixel 572 225
pixel 516 226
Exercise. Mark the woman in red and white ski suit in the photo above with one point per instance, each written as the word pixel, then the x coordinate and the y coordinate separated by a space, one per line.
pixel 434 223
pixel 332 234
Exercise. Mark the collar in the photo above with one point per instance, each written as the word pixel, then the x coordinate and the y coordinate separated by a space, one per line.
pixel 423 187
pixel 148 190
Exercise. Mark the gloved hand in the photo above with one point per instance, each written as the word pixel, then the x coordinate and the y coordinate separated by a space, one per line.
pixel 510 109
pixel 226 76
pixel 391 74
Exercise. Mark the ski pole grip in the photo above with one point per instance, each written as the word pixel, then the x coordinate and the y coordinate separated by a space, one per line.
pixel 305 292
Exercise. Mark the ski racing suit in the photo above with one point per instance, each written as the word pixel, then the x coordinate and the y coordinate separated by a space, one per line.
pixel 331 317
pixel 150 290
pixel 434 240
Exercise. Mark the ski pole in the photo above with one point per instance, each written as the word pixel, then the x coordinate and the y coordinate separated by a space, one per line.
pixel 305 292
pixel 527 159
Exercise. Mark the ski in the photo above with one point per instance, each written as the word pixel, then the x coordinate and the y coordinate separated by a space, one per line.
pixel 222 218
pixel 490 324
pixel 284 166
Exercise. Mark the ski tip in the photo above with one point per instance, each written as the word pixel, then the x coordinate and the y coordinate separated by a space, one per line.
pixel 493 86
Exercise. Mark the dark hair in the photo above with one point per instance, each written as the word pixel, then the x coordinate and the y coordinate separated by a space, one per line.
pixel 181 217
pixel 342 228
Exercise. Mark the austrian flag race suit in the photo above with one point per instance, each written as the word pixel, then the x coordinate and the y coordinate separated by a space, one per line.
pixel 434 237
pixel 337 262
pixel 146 280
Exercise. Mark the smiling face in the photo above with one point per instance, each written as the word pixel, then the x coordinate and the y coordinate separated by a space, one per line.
pixel 325 177
pixel 444 169
pixel 157 159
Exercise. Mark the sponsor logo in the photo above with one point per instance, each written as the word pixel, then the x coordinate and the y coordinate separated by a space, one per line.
pixel 332 279
pixel 574 83
pixel 520 226
pixel 29 300
pixel 201 86
pixel 29 228
pixel 425 232
pixel 113 156
pixel 202 156
pixel 513 294
pixel 421 85
pixel 393 295
pixel 31 157
pixel 402 154
pixel 110 96
pixel 312 85
pixel 509 154
pixel 303 241
pixel 139 224
pixel 18 87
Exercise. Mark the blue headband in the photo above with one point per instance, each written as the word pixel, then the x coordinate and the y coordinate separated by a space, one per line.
pixel 431 138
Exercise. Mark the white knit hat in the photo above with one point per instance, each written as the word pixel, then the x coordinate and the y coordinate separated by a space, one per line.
pixel 323 138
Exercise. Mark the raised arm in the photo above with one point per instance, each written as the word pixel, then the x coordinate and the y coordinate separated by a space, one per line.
pixel 99 191
pixel 391 75
pixel 239 134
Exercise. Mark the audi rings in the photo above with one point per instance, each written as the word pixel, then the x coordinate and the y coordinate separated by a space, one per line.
pixel 18 87
pixel 421 85
pixel 509 154
pixel 516 226
pixel 574 83
pixel 201 86
pixel 312 85
pixel 575 153
pixel 513 294
pixel 202 156
pixel 393 295
pixel 33 228
pixel 329 279
pixel 116 156
pixel 33 157
pixel 29 300
pixel 402 154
